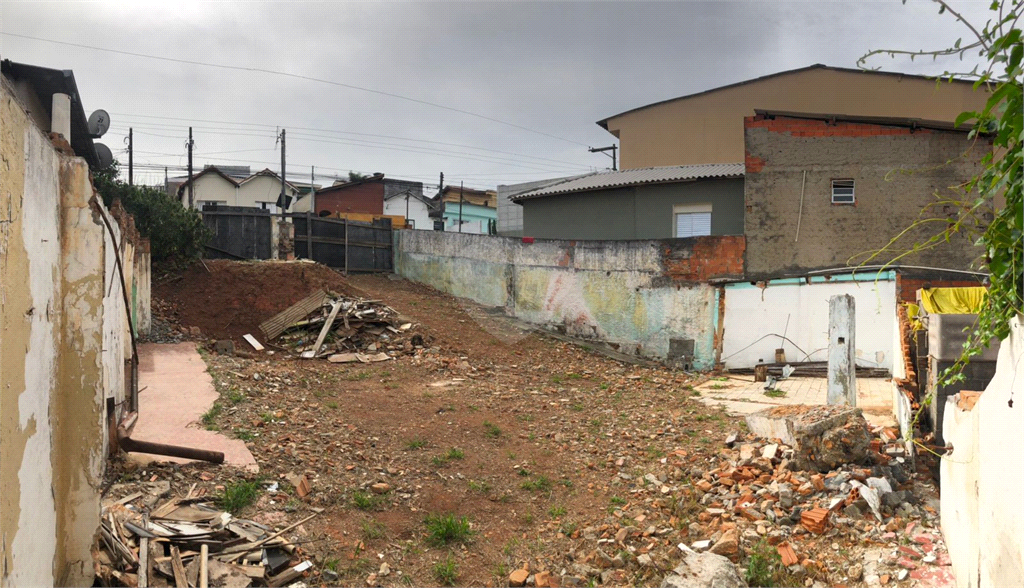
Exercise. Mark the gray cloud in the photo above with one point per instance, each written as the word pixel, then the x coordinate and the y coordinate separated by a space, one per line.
pixel 554 67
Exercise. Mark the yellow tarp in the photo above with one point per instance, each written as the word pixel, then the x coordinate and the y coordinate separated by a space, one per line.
pixel 913 311
pixel 953 300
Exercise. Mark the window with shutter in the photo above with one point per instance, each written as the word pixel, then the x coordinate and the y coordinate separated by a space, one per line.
pixel 693 224
pixel 691 220
pixel 842 192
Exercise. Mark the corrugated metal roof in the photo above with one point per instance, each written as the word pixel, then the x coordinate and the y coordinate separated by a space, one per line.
pixel 633 177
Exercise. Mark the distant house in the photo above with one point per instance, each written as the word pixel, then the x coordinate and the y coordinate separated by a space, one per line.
pixel 475 211
pixel 235 172
pixel 363 196
pixel 411 204
pixel 213 186
pixel 651 203
pixel 510 214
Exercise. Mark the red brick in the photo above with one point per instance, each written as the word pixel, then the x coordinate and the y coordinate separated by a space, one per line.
pixel 815 520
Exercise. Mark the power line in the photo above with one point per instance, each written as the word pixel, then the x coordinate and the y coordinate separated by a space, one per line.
pixel 535 165
pixel 297 76
pixel 328 131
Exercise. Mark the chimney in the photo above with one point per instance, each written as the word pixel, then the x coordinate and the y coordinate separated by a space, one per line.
pixel 60 120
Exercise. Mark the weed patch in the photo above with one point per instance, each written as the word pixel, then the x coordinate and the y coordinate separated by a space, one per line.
pixel 447 528
pixel 238 495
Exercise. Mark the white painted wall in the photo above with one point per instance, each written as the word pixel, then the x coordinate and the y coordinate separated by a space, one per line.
pixel 34 547
pixel 210 188
pixel 258 190
pixel 983 478
pixel 253 192
pixel 418 211
pixel 753 316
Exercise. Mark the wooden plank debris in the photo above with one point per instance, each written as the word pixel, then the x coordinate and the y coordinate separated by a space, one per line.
pixel 323 332
pixel 252 341
pixel 192 545
pixel 343 329
pixel 298 311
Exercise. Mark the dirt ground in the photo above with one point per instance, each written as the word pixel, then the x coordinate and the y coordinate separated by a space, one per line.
pixel 227 299
pixel 561 459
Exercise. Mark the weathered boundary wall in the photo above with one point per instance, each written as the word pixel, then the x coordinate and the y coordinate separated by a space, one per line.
pixel 646 298
pixel 758 315
pixel 982 510
pixel 64 342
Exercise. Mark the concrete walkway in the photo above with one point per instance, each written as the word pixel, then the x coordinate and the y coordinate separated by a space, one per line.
pixel 175 392
pixel 742 395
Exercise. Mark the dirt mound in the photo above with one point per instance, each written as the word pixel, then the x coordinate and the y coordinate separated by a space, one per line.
pixel 227 299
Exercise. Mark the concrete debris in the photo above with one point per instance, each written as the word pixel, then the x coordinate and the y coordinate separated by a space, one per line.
pixel 823 437
pixel 703 570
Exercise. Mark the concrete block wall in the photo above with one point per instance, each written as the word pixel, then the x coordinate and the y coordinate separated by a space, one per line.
pixel 64 341
pixel 982 507
pixel 898 173
pixel 635 295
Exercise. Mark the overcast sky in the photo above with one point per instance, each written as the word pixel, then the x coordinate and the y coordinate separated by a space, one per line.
pixel 553 68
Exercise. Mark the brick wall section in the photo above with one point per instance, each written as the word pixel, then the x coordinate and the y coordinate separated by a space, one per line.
pixel 907 287
pixel 698 259
pixel 897 170
pixel 367 197
pixel 796 127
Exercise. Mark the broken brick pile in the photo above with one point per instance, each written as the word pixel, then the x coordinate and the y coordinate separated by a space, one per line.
pixel 818 519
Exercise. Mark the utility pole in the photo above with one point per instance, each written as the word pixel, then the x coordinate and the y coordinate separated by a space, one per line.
pixel 611 148
pixel 284 203
pixel 165 179
pixel 440 198
pixel 312 190
pixel 462 188
pixel 130 183
pixel 190 145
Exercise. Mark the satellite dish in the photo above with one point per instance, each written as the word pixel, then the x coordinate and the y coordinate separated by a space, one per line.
pixel 99 122
pixel 104 155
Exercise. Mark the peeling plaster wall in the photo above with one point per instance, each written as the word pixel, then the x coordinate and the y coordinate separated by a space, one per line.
pixel 982 510
pixel 799 311
pixel 64 336
pixel 618 292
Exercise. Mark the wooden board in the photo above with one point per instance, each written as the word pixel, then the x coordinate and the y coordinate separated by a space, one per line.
pixel 293 314
pixel 252 341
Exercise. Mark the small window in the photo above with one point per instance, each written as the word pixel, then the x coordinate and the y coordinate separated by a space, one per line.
pixel 842 192
pixel 691 220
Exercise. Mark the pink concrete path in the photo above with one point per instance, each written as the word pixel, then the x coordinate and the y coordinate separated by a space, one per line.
pixel 175 391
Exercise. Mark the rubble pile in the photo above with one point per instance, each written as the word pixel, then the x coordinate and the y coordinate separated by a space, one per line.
pixel 768 490
pixel 148 540
pixel 343 329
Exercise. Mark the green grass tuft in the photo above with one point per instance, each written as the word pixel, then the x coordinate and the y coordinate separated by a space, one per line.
pixel 238 495
pixel 447 528
pixel 447 571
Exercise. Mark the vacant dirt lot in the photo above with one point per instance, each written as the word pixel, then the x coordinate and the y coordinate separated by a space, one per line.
pixel 537 442
pixel 557 458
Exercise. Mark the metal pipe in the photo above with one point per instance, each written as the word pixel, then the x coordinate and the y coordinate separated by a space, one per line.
pixel 130 445
pixel 800 214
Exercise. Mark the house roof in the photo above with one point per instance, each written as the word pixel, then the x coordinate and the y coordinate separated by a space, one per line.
pixel 267 172
pixel 208 170
pixel 889 121
pixel 46 82
pixel 428 201
pixel 634 177
pixel 603 123
pixel 374 178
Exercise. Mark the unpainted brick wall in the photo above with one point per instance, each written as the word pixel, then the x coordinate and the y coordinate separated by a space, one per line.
pixel 898 173
pixel 698 259
pixel 907 287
